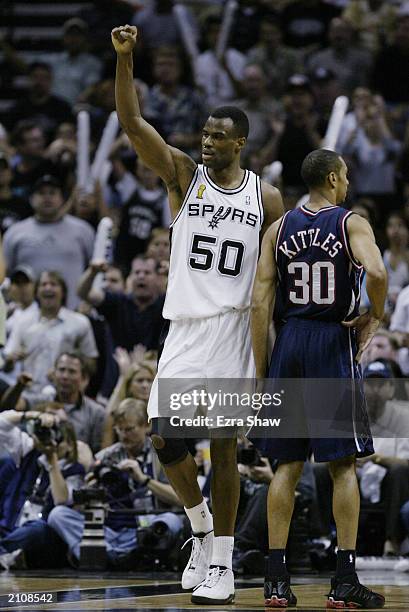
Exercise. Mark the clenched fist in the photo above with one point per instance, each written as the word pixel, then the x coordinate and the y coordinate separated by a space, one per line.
pixel 124 39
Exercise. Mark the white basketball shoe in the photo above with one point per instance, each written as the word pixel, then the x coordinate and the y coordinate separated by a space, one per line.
pixel 217 588
pixel 196 569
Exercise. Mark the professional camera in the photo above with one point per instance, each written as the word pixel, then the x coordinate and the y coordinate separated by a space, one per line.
pixel 47 436
pixel 249 456
pixel 107 474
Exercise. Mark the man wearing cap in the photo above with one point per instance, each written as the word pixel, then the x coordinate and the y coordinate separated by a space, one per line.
pixel 50 239
pixel 22 296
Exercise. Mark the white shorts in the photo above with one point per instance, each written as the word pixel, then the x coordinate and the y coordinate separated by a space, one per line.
pixel 203 349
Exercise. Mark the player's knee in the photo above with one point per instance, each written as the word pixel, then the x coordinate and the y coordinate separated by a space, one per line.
pixel 342 467
pixel 170 451
pixel 223 451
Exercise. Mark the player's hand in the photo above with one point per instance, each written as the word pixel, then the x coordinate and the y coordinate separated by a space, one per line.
pixel 366 326
pixel 124 39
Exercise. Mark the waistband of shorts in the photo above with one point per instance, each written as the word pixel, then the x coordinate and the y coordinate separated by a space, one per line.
pixel 312 323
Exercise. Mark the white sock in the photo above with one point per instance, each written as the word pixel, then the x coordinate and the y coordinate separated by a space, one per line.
pixel 200 518
pixel 223 551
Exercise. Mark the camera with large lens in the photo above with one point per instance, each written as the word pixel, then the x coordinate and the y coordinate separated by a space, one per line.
pixel 107 474
pixel 249 456
pixel 47 436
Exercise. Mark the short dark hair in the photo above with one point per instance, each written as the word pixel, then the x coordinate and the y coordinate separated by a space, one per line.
pixel 85 371
pixel 239 118
pixel 317 165
pixel 22 127
pixel 42 65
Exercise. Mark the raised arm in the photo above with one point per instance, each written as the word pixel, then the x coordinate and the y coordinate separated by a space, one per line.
pixel 366 252
pixel 262 301
pixel 173 166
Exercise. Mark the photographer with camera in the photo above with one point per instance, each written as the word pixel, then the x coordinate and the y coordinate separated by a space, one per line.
pixel 128 477
pixel 41 461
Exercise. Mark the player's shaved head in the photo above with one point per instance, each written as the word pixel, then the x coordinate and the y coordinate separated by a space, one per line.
pixel 238 117
pixel 317 166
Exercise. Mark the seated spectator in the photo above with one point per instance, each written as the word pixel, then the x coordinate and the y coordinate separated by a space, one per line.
pixel 350 63
pixel 383 346
pixel 277 61
pixel 261 110
pixel 70 378
pixel 136 375
pixel 134 318
pixel 41 336
pixel 389 77
pixel 396 256
pixel 50 234
pixel 177 110
pixel 12 208
pixel 39 104
pixel 29 164
pixel 219 80
pixel 42 475
pixel 146 209
pixel 139 485
pixel 384 476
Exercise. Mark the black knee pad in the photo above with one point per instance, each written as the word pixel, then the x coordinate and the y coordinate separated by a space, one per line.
pixel 169 450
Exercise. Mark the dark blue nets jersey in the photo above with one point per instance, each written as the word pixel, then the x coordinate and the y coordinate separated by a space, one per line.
pixel 318 276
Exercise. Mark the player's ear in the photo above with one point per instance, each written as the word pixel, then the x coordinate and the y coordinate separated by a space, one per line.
pixel 241 142
pixel 332 178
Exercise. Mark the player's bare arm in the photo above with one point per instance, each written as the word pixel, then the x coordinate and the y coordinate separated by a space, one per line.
pixel 263 298
pixel 173 166
pixel 366 252
pixel 272 204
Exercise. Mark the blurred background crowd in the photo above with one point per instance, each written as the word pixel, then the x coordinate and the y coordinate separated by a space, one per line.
pixel 80 353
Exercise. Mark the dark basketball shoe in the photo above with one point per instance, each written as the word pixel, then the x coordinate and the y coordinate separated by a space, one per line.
pixel 348 592
pixel 278 593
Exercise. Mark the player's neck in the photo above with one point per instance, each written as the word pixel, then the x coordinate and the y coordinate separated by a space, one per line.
pixel 229 177
pixel 320 200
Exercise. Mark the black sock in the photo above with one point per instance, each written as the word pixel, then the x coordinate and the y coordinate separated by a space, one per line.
pixel 345 563
pixel 276 563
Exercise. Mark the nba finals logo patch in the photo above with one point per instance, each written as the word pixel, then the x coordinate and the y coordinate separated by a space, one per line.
pixel 219 215
pixel 200 192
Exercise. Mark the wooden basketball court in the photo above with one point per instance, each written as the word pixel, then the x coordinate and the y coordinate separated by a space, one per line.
pixel 76 591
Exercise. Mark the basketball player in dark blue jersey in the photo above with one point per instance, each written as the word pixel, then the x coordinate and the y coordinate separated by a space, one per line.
pixel 311 264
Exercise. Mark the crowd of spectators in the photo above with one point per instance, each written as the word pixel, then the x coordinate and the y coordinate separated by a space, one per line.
pixel 80 355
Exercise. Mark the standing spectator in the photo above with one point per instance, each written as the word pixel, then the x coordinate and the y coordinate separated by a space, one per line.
pixel 12 207
pixel 157 24
pixel 361 100
pixel 50 235
pixel 177 110
pixel 305 22
pixel 374 153
pixel 220 80
pixel 278 61
pixel 298 136
pixel 396 256
pixel 390 73
pixel 74 69
pixel 135 318
pixel 326 89
pixel 21 295
pixel 146 209
pixel 29 163
pixel 261 110
pixel 71 377
pixel 41 336
pixel 40 105
pixel 346 60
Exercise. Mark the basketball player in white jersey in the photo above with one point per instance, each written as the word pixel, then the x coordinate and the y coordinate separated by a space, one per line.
pixel 218 211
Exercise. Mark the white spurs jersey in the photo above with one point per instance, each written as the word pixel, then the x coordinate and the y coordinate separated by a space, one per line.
pixel 214 248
